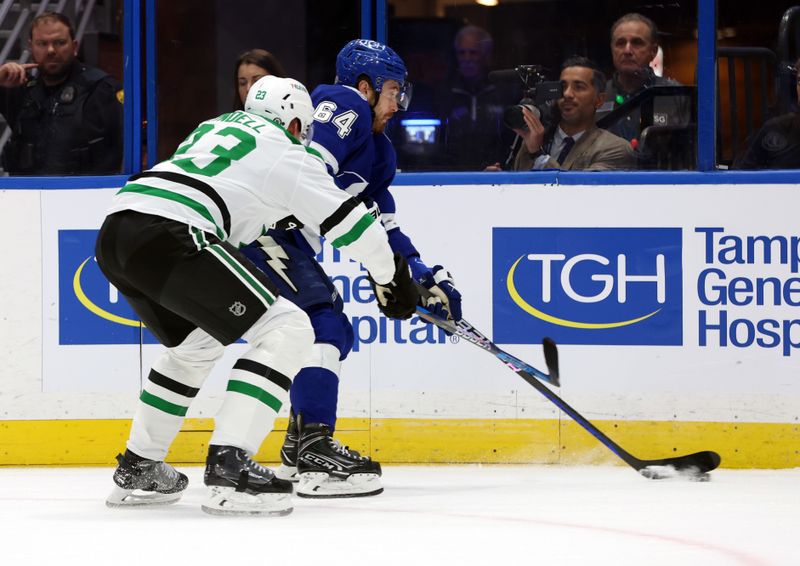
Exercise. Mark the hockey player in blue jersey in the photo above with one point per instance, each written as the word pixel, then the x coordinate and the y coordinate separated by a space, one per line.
pixel 349 122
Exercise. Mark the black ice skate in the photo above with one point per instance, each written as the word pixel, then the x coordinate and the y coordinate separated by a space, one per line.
pixel 240 486
pixel 328 469
pixel 145 482
pixel 288 468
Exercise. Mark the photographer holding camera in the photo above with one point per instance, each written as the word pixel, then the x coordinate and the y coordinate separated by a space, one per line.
pixel 572 142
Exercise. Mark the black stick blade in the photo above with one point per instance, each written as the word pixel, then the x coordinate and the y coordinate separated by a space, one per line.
pixel 693 467
pixel 551 359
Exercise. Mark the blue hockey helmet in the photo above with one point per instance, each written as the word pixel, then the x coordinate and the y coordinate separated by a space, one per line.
pixel 377 61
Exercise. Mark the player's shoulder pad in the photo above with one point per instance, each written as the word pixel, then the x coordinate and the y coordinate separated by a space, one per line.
pixel 340 114
pixel 345 98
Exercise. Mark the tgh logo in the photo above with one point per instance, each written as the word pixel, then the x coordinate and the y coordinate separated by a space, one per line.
pixel 588 285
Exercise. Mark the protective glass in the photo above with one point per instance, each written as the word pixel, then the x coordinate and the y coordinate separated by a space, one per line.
pixel 404 96
pixel 757 86
pixel 75 125
pixel 465 79
pixel 202 58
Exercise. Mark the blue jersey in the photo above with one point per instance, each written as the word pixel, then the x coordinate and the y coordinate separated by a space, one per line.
pixel 361 162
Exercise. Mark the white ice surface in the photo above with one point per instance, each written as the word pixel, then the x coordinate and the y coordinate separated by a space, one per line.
pixel 459 515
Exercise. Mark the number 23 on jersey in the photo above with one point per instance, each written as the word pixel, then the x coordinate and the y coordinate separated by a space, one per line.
pixel 244 144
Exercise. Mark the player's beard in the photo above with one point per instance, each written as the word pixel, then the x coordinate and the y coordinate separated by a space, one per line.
pixel 378 127
pixel 379 124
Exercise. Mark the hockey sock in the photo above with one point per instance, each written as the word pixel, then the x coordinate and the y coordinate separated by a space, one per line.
pixel 162 406
pixel 171 386
pixel 254 395
pixel 260 380
pixel 315 393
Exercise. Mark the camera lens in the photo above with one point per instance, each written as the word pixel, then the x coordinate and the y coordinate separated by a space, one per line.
pixel 513 118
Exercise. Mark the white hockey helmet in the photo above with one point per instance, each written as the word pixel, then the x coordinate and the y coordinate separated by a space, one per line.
pixel 281 100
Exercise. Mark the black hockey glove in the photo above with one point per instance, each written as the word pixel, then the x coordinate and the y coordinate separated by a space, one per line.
pixel 399 297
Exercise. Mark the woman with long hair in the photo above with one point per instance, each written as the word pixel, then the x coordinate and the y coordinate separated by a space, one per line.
pixel 251 66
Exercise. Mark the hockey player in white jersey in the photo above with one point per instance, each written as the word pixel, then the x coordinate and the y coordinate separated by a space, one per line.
pixel 170 245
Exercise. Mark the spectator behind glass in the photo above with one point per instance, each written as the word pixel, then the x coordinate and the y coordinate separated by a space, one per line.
pixel 634 45
pixel 67 118
pixel 575 143
pixel 471 109
pixel 251 66
pixel 777 144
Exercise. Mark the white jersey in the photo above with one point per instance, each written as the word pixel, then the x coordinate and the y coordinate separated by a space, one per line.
pixel 239 173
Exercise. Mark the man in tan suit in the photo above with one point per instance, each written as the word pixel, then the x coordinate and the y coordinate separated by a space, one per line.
pixel 575 143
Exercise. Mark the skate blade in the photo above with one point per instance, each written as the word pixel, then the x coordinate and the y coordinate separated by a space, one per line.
pixel 288 473
pixel 319 485
pixel 226 501
pixel 121 497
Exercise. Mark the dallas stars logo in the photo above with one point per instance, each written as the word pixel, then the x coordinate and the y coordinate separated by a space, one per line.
pixel 237 308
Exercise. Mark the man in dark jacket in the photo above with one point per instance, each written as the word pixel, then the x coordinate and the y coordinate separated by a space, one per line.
pixel 634 44
pixel 472 108
pixel 776 145
pixel 68 119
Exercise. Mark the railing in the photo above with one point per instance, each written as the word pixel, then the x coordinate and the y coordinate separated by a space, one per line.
pixel 740 120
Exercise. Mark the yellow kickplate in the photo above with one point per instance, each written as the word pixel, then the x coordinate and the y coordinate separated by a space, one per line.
pixel 741 445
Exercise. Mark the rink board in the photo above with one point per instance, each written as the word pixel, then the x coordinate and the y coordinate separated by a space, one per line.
pixel 675 307
pixel 440 441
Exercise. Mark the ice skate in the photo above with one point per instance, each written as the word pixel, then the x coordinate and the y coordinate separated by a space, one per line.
pixel 239 486
pixel 328 469
pixel 145 482
pixel 288 468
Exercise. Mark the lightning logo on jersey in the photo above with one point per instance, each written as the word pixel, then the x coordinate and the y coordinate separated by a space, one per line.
pixel 276 256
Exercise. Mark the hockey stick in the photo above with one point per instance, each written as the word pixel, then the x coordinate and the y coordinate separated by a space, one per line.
pixel 692 466
pixel 465 330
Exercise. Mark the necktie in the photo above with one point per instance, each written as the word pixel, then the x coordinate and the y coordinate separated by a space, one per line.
pixel 568 143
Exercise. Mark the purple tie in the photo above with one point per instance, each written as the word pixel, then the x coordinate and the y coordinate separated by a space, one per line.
pixel 568 143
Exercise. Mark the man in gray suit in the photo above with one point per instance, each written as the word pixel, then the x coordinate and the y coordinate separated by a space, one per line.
pixel 575 143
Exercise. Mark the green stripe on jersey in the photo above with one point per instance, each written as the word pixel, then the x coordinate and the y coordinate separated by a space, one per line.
pixel 199 237
pixel 314 152
pixel 251 281
pixel 354 233
pixel 169 195
pixel 162 405
pixel 296 141
pixel 286 132
pixel 255 392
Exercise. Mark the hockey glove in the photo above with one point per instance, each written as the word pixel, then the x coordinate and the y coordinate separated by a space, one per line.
pixel 399 297
pixel 444 299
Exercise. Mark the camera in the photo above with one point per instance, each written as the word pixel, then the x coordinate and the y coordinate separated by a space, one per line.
pixel 539 95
